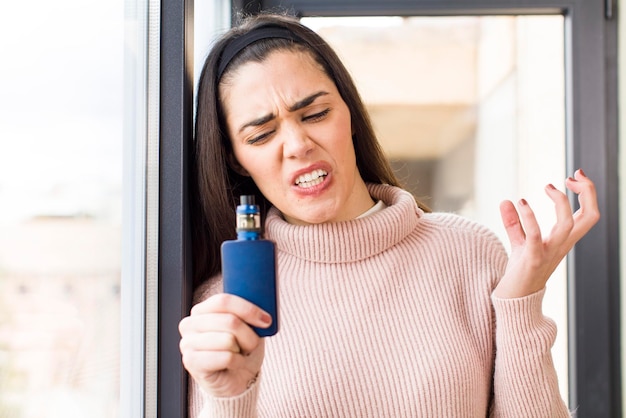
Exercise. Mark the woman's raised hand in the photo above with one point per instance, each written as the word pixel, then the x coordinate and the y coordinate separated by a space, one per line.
pixel 220 350
pixel 534 257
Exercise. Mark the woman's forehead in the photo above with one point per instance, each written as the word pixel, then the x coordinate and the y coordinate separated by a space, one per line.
pixel 290 75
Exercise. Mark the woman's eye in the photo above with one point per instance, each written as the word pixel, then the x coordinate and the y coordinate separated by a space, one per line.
pixel 260 138
pixel 317 116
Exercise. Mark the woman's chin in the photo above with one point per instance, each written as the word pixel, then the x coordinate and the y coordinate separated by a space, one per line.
pixel 311 218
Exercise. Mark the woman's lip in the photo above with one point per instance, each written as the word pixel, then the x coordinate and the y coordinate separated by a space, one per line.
pixel 313 191
pixel 321 165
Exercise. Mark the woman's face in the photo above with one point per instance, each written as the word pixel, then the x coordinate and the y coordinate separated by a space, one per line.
pixel 290 131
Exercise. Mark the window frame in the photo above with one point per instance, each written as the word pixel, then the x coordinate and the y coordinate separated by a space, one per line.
pixel 174 262
pixel 592 143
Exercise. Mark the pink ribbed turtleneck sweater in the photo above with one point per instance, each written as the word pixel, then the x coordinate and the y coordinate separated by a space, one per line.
pixel 391 315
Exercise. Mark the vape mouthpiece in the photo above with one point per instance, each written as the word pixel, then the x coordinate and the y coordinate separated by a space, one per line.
pixel 247 199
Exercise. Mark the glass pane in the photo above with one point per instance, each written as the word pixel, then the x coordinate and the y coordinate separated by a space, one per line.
pixel 470 111
pixel 61 125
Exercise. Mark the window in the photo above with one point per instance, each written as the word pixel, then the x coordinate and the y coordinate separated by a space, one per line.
pixel 470 110
pixel 590 48
pixel 96 110
pixel 61 130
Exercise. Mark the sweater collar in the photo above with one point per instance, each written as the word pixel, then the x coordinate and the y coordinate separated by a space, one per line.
pixel 348 241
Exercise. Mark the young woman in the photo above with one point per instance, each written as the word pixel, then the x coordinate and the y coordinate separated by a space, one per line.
pixel 387 310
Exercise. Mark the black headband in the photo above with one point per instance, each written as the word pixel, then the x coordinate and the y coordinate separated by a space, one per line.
pixel 239 43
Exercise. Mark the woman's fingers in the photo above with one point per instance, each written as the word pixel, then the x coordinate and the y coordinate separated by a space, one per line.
pixel 222 323
pixel 512 223
pixel 533 258
pixel 214 326
pixel 564 221
pixel 204 363
pixel 231 304
pixel 570 228
pixel 210 341
pixel 588 213
pixel 219 347
pixel 522 227
pixel 529 223
pixel 520 223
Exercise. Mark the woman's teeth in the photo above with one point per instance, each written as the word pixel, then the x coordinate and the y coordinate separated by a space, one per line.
pixel 311 179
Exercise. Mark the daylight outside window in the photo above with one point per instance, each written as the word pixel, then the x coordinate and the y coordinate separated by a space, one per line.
pixel 61 140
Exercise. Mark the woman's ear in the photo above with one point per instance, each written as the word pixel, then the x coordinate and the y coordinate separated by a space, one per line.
pixel 234 164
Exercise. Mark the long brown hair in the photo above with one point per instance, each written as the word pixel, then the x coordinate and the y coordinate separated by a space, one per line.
pixel 215 186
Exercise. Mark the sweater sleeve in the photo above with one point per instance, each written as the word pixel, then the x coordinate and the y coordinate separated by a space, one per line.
pixel 202 405
pixel 525 381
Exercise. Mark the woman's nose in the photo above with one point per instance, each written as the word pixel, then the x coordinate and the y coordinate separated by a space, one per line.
pixel 296 142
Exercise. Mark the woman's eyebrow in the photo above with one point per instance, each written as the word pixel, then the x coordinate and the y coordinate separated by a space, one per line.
pixel 296 106
pixel 306 101
pixel 258 121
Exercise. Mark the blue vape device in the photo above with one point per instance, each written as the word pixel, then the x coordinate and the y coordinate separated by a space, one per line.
pixel 249 264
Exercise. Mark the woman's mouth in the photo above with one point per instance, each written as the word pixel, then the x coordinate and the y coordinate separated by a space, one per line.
pixel 311 179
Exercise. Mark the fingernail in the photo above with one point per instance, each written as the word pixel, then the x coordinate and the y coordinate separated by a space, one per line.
pixel 580 170
pixel 551 186
pixel 523 202
pixel 265 318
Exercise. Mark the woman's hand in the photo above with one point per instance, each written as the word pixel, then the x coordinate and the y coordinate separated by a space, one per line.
pixel 533 257
pixel 220 350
